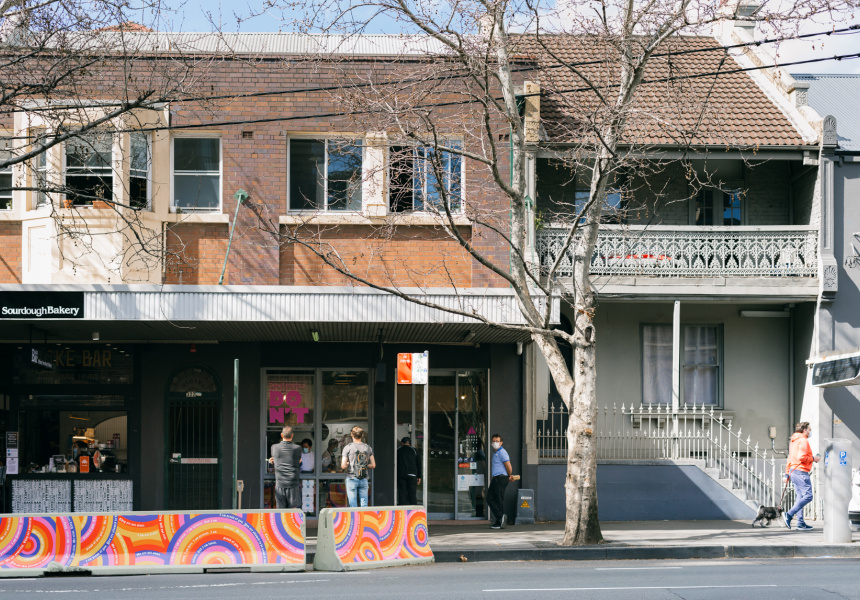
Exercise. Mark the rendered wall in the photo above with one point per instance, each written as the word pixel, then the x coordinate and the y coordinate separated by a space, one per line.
pixel 644 493
pixel 840 320
pixel 755 359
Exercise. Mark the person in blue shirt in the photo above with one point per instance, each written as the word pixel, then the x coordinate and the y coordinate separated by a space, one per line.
pixel 501 474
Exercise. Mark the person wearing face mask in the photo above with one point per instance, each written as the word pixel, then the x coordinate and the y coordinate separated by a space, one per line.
pixel 501 473
pixel 307 456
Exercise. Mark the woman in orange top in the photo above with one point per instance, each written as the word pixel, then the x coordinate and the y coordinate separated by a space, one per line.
pixel 800 460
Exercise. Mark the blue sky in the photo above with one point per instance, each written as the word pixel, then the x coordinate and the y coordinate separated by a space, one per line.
pixel 195 15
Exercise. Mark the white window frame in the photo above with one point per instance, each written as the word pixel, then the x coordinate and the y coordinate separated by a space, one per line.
pixel 148 137
pixel 720 194
pixel 173 173
pixel 325 138
pixel 719 401
pixel 64 155
pixel 9 170
pixel 415 148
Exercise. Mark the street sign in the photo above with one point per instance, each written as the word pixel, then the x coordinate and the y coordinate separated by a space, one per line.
pixel 413 368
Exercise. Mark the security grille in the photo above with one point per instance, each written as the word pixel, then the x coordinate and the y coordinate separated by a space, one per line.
pixel 193 453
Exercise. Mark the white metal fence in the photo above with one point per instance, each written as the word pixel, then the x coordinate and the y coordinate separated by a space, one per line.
pixel 691 433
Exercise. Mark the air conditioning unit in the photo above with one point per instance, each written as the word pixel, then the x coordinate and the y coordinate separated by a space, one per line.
pixel 838 368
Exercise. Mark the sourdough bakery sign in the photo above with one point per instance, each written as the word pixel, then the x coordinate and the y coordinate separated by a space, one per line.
pixel 41 305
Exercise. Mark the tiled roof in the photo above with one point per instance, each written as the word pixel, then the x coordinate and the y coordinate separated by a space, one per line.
pixel 837 95
pixel 717 110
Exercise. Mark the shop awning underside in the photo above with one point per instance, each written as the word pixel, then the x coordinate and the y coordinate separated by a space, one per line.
pixel 271 313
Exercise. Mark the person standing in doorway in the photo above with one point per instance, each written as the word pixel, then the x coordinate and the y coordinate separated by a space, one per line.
pixel 797 468
pixel 357 460
pixel 408 472
pixel 287 458
pixel 501 473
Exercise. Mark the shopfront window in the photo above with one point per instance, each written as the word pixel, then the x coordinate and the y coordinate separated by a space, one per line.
pixel 65 434
pixel 321 406
pixel 75 365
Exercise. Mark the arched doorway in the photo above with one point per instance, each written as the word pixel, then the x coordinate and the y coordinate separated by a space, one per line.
pixel 193 443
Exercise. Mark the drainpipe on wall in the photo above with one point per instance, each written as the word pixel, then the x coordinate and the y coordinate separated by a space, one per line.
pixel 790 368
pixel 240 197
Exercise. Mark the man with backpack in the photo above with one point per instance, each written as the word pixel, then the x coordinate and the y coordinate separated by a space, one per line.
pixel 357 460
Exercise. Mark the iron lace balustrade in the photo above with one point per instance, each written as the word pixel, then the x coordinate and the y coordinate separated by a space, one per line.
pixel 670 251
pixel 694 434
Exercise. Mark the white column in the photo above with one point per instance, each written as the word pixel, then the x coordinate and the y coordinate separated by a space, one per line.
pixel 676 356
pixel 676 374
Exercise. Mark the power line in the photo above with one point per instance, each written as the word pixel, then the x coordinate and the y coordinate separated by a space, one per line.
pixel 465 102
pixel 238 96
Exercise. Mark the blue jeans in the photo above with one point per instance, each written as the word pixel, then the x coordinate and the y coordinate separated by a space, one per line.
pixel 356 491
pixel 803 489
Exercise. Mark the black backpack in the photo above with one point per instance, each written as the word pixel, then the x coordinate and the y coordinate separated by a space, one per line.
pixel 359 463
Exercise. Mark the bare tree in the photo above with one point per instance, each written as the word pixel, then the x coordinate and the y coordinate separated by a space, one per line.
pixel 83 86
pixel 615 78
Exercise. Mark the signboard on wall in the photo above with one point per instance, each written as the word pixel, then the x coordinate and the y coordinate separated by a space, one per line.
pixel 41 305
pixel 413 368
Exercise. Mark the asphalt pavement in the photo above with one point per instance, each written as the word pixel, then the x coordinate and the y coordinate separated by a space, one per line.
pixel 773 579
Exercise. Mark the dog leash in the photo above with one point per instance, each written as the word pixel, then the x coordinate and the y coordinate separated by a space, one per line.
pixel 785 487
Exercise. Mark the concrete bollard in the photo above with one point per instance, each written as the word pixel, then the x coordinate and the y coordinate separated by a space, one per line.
pixel 350 539
pixel 144 543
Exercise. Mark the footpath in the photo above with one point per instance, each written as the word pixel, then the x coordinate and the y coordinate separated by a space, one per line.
pixel 636 540
pixel 643 540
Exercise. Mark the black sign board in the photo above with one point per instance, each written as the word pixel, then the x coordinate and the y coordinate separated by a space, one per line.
pixel 836 372
pixel 11 439
pixel 41 305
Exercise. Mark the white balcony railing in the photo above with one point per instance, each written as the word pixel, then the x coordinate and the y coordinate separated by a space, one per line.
pixel 667 251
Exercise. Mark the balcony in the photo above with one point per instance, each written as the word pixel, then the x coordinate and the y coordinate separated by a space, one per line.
pixel 665 251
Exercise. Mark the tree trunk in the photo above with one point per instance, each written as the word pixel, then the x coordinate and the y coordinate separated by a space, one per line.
pixel 582 526
pixel 579 393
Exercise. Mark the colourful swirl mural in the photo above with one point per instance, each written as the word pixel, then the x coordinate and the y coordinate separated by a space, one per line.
pixel 164 539
pixel 370 536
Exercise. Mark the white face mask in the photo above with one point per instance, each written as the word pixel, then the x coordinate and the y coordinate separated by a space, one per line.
pixel 497 445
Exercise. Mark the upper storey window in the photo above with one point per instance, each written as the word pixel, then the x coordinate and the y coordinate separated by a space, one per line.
pixel 196 174
pixel 325 175
pixel 89 168
pixel 719 207
pixel 424 179
pixel 138 180
pixel 5 176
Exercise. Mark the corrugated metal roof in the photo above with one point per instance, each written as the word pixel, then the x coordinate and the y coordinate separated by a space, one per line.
pixel 268 43
pixel 246 313
pixel 837 95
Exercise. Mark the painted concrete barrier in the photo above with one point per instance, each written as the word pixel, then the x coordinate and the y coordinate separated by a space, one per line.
pixel 349 539
pixel 134 542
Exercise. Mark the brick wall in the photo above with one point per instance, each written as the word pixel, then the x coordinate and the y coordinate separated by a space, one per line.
pixel 196 254
pixel 769 185
pixel 10 252
pixel 405 257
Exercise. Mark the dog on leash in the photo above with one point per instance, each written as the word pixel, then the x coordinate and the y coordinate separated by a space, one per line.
pixel 766 514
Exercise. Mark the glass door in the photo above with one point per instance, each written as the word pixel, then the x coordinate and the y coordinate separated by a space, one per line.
pixel 454 438
pixel 471 453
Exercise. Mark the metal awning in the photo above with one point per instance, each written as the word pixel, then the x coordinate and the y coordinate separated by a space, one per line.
pixel 146 313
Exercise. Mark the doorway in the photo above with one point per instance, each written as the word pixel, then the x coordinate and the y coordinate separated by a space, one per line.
pixel 454 437
pixel 193 443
